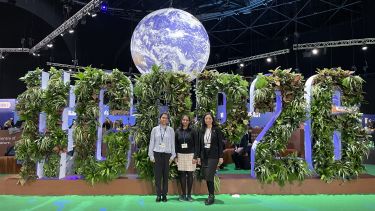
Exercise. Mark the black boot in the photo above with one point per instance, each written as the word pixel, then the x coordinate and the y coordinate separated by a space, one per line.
pixel 182 198
pixel 158 199
pixel 164 199
pixel 210 200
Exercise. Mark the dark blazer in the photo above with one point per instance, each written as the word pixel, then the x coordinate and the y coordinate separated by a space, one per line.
pixel 216 148
pixel 188 136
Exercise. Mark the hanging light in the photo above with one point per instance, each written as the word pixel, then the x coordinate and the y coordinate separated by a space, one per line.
pixel 315 51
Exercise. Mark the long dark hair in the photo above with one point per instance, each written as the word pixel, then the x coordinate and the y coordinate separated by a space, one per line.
pixel 181 126
pixel 204 126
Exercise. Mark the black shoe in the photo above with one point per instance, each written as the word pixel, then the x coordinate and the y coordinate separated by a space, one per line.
pixel 210 200
pixel 164 198
pixel 158 199
pixel 182 198
pixel 188 198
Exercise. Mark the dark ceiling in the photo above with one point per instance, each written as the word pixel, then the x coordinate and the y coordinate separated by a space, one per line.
pixel 237 29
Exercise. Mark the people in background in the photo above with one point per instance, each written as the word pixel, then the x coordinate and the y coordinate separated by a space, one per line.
pixel 161 152
pixel 8 124
pixel 118 125
pixel 19 124
pixel 210 153
pixel 186 159
pixel 369 128
pixel 107 125
pixel 241 154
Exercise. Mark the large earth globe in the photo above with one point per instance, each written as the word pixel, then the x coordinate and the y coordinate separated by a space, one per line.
pixel 170 38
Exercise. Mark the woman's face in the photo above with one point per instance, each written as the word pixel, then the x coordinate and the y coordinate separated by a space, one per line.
pixel 208 120
pixel 185 121
pixel 164 119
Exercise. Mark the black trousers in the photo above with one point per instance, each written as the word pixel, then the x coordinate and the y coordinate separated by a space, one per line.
pixel 241 161
pixel 209 168
pixel 161 172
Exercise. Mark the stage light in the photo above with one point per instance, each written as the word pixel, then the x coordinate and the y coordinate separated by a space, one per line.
pixel 104 6
pixel 269 60
pixel 71 31
pixel 93 15
pixel 2 56
pixel 364 48
pixel 315 51
pixel 62 34
pixel 242 65
pixel 49 45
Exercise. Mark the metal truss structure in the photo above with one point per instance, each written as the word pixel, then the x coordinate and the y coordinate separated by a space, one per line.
pixel 14 50
pixel 73 68
pixel 333 44
pixel 70 23
pixel 270 20
pixel 233 24
pixel 251 58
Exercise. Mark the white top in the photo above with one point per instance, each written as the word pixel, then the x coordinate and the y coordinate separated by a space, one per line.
pixel 207 136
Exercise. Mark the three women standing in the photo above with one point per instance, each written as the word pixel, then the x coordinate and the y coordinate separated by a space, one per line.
pixel 206 149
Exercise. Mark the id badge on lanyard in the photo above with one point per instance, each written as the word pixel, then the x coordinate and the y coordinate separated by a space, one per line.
pixel 162 135
pixel 184 145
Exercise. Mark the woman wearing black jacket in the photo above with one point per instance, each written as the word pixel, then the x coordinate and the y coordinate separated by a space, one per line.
pixel 210 153
pixel 186 149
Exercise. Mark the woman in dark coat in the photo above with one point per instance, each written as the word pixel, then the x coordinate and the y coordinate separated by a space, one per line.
pixel 210 153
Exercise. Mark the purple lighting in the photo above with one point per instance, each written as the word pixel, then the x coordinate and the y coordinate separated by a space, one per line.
pixel 104 7
pixel 269 124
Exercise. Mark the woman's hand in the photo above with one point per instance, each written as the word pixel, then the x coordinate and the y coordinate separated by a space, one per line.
pixel 221 161
pixel 194 161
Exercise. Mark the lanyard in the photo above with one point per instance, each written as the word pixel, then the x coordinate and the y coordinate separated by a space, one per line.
pixel 208 138
pixel 162 134
pixel 184 135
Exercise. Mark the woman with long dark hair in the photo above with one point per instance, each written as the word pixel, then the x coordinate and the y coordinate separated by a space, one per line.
pixel 211 153
pixel 161 152
pixel 186 149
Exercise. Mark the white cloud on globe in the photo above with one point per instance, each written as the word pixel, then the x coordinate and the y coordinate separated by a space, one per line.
pixel 170 38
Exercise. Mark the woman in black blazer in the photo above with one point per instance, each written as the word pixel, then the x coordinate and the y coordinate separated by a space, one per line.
pixel 211 153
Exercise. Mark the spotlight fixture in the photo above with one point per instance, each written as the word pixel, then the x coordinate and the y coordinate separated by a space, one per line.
pixel 49 45
pixel 364 48
pixel 71 31
pixel 94 15
pixel 315 51
pixel 242 65
pixel 104 6
pixel 269 60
